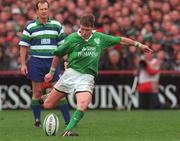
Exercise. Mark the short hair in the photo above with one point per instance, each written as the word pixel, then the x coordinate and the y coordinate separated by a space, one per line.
pixel 87 20
pixel 40 1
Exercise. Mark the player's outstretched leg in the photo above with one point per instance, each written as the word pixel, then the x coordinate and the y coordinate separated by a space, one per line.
pixel 62 106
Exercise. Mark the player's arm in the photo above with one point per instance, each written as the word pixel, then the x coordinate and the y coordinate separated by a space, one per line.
pixel 55 62
pixel 48 77
pixel 130 42
pixel 24 44
pixel 61 51
pixel 58 54
pixel 23 54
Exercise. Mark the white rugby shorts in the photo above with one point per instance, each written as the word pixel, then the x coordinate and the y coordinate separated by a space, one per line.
pixel 72 81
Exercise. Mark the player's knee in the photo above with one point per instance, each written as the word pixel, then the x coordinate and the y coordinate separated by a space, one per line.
pixel 83 105
pixel 48 105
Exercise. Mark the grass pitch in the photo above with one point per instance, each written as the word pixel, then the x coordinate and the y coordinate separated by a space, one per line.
pixel 97 125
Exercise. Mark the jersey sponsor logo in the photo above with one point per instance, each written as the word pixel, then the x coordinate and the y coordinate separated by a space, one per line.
pixel 88 51
pixel 45 41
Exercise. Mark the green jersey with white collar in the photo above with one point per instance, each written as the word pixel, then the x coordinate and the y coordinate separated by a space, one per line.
pixel 84 55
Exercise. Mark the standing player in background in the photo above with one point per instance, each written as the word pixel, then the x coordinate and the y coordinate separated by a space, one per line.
pixel 41 37
pixel 83 48
pixel 148 86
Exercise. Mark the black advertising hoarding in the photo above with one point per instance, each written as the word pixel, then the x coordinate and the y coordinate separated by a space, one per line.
pixel 112 90
pixel 118 91
pixel 15 92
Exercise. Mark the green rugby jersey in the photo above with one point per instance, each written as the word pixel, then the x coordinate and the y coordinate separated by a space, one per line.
pixel 84 55
pixel 42 39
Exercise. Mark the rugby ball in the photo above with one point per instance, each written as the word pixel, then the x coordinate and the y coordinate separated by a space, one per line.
pixel 51 124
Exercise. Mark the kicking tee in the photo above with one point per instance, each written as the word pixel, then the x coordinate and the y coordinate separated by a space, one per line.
pixel 84 55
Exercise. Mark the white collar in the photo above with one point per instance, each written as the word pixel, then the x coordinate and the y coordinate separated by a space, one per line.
pixel 78 32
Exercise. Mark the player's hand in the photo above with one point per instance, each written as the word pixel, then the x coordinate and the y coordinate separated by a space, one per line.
pixel 48 77
pixel 145 48
pixel 24 70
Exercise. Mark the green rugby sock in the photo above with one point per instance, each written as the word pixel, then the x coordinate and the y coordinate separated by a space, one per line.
pixel 77 116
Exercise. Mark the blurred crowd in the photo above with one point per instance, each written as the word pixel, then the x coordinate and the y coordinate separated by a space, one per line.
pixel 153 22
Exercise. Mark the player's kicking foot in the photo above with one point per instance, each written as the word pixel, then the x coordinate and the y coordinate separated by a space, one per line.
pixel 69 133
pixel 37 123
